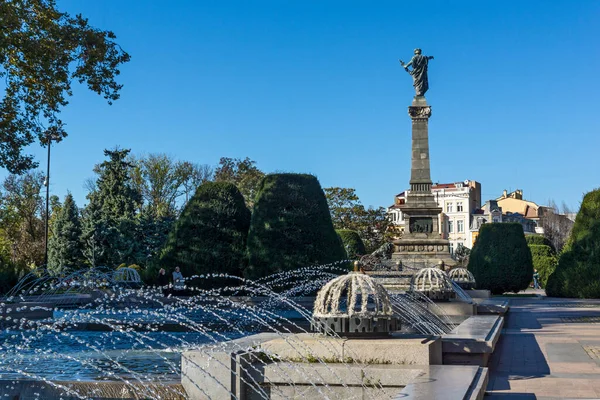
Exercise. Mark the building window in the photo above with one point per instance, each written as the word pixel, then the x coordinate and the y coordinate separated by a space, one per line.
pixel 449 207
pixel 451 245
pixel 450 227
pixel 459 206
pixel 460 226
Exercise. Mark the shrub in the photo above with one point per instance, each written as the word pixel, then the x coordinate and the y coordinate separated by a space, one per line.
pixel 210 235
pixel 352 243
pixel 9 276
pixel 291 226
pixel 578 271
pixel 544 260
pixel 539 240
pixel 500 259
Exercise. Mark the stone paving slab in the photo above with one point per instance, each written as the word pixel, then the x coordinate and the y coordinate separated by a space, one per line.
pixel 540 356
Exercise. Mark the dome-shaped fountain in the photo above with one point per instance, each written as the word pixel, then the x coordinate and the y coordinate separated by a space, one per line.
pixel 126 276
pixel 463 278
pixel 356 305
pixel 434 283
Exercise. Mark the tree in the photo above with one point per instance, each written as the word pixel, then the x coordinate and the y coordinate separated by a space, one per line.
pixel 111 222
pixel 372 224
pixel 500 260
pixel 556 225
pixel 65 250
pixel 193 175
pixel 22 218
pixel 242 173
pixel 291 226
pixel 210 235
pixel 578 271
pixel 544 261
pixel 157 179
pixel 352 243
pixel 42 51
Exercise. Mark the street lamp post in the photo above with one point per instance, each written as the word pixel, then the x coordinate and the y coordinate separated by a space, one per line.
pixel 47 183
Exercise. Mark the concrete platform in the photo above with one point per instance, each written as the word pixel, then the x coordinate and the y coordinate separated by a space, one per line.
pixel 242 368
pixel 473 341
pixel 456 311
pixel 397 349
pixel 479 293
pixel 491 306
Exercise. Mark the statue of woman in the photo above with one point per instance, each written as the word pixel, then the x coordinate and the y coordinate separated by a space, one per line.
pixel 419 71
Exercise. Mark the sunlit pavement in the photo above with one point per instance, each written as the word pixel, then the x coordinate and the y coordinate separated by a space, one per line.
pixel 550 349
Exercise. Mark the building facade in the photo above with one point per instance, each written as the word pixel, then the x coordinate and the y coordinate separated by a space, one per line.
pixel 458 201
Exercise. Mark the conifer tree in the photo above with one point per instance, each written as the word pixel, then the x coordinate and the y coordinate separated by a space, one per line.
pixel 112 220
pixel 65 247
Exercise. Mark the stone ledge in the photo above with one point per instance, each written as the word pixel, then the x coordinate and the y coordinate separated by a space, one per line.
pixel 473 341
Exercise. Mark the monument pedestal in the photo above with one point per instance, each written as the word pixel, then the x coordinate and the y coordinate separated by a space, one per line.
pixel 422 244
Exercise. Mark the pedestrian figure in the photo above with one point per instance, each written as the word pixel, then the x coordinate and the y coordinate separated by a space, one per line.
pixel 163 281
pixel 178 280
pixel 536 279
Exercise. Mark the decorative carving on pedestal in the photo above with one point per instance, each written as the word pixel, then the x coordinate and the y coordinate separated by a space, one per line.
pixel 419 112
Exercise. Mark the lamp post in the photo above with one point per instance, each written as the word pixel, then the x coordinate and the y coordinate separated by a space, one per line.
pixel 47 184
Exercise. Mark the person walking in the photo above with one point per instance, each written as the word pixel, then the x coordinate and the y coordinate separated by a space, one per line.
pixel 536 279
pixel 163 281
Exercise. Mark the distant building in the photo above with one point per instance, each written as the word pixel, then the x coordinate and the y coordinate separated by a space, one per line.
pixel 458 202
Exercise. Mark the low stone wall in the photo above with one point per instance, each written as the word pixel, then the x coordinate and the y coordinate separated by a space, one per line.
pixel 67 390
pixel 473 341
pixel 251 368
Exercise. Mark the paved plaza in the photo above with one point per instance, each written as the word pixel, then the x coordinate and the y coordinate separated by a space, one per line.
pixel 549 349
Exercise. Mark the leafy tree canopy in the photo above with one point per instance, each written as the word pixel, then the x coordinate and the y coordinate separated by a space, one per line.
pixel 42 51
pixel 242 173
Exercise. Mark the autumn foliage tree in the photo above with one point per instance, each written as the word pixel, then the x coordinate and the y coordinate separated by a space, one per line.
pixel 42 51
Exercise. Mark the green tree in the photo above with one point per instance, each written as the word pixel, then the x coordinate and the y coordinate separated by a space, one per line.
pixel 22 218
pixel 352 243
pixel 242 173
pixel 578 271
pixel 372 224
pixel 544 261
pixel 210 235
pixel 65 250
pixel 111 223
pixel 42 51
pixel 291 226
pixel 500 260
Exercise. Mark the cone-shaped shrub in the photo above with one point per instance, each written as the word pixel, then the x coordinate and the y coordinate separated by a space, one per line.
pixel 500 260
pixel 210 235
pixel 544 260
pixel 352 243
pixel 291 226
pixel 578 270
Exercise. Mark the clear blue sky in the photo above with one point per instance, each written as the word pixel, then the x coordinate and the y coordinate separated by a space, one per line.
pixel 315 86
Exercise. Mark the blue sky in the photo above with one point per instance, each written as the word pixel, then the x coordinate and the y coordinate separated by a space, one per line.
pixel 315 86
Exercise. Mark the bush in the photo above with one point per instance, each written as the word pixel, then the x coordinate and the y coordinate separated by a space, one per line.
pixel 352 243
pixel 210 235
pixel 500 259
pixel 544 260
pixel 9 276
pixel 291 226
pixel 539 240
pixel 578 271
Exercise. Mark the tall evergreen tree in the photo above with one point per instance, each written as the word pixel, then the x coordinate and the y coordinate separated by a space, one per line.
pixel 65 250
pixel 111 222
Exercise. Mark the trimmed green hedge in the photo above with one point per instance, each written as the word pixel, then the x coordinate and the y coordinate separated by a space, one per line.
pixel 500 260
pixel 539 240
pixel 578 271
pixel 544 260
pixel 210 235
pixel 352 243
pixel 291 226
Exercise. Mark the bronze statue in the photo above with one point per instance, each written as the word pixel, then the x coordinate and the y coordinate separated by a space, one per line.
pixel 419 71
